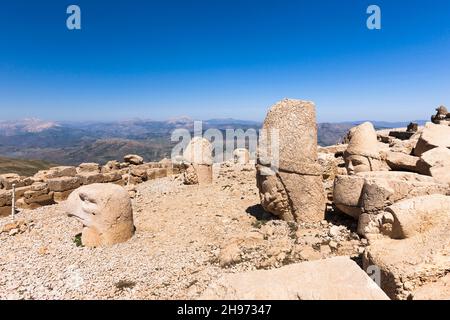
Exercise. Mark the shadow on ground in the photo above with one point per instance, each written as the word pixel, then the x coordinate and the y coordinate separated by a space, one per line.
pixel 259 213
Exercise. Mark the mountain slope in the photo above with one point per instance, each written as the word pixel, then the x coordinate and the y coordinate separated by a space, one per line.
pixel 22 167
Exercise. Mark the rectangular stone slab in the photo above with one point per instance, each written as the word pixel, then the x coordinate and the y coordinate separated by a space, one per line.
pixel 337 278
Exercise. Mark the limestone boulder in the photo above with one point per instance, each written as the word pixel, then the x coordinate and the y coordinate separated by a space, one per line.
pixel 436 163
pixel 63 184
pixel 112 176
pixel 442 116
pixel 399 161
pixel 41 197
pixel 5 198
pixel 55 172
pixel 133 159
pixel 9 179
pixel 302 281
pixel 21 191
pixel 433 136
pixel 139 173
pixel 88 168
pixel 105 211
pixel 90 177
pixel 111 166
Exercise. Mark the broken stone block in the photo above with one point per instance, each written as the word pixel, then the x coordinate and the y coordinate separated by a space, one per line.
pixel 436 163
pixel 113 165
pixel 41 197
pixel 21 191
pixel 112 176
pixel 5 198
pixel 399 161
pixel 90 177
pixel 55 172
pixel 302 281
pixel 433 136
pixel 133 159
pixel 63 184
pixel 8 179
pixel 88 168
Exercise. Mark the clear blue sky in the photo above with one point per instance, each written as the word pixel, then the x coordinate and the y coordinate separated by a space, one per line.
pixel 223 58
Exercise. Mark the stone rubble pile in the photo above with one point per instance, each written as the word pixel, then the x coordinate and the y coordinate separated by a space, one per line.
pixel 398 191
pixel 55 185
pixel 394 183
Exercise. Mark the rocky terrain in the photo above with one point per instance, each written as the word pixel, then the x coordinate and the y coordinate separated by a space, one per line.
pixel 186 236
pixel 365 219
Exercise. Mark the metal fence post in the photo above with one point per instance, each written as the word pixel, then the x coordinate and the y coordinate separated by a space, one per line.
pixel 13 202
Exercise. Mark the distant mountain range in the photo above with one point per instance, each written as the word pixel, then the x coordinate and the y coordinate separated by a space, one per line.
pixel 72 143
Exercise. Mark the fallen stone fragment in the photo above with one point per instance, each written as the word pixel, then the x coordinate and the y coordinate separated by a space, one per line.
pixel 330 279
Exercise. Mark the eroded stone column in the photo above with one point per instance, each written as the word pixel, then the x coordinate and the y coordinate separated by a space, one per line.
pixel 294 190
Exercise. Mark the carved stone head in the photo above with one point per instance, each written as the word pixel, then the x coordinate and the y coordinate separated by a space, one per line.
pixel 241 156
pixel 105 211
pixel 363 152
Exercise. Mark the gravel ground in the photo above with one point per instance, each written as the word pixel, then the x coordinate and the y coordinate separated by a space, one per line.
pixel 186 236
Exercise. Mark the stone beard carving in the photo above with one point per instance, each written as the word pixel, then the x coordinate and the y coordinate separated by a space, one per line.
pixel 363 152
pixel 295 191
pixel 197 160
pixel 105 211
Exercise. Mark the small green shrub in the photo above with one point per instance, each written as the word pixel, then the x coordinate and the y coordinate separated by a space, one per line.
pixel 77 240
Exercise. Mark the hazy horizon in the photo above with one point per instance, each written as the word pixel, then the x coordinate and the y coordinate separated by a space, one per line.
pixel 87 121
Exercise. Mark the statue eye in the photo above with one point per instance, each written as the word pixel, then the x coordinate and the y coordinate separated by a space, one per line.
pixel 85 198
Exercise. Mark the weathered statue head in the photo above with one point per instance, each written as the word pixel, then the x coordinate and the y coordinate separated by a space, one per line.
pixel 363 152
pixel 197 157
pixel 241 156
pixel 105 211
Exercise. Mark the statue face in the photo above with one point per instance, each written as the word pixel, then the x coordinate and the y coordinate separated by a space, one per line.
pixel 105 212
pixel 356 164
pixel 273 196
pixel 86 208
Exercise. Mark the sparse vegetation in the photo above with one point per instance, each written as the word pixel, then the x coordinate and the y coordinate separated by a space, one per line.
pixel 77 240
